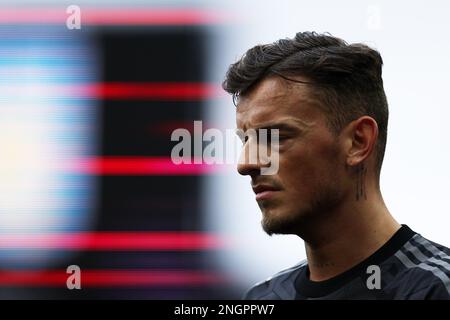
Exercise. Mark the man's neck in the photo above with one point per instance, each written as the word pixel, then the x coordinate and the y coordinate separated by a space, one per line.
pixel 348 237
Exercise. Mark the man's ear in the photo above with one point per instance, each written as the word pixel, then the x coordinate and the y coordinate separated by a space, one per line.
pixel 360 136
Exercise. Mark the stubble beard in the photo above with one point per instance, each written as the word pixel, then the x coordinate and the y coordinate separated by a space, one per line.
pixel 297 220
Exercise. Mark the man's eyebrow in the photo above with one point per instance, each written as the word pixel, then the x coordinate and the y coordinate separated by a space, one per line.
pixel 279 126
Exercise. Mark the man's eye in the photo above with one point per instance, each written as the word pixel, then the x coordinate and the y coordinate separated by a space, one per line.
pixel 281 139
pixel 243 139
pixel 271 141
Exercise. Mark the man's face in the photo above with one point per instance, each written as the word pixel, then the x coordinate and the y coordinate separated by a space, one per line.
pixel 309 181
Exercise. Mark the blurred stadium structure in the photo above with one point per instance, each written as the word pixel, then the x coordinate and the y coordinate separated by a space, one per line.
pixel 86 176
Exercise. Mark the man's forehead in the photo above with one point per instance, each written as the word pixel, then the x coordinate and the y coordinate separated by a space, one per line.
pixel 273 98
pixel 270 89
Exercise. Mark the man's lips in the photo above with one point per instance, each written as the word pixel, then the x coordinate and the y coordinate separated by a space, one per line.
pixel 264 191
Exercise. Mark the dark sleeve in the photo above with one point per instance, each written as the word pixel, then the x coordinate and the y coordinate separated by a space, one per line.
pixel 437 290
pixel 260 291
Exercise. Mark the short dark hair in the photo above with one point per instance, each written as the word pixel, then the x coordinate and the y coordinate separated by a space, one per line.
pixel 345 78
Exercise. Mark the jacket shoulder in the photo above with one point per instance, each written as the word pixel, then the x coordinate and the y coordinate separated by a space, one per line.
pixel 427 270
pixel 274 287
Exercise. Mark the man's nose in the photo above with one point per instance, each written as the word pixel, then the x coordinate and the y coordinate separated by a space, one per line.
pixel 249 162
